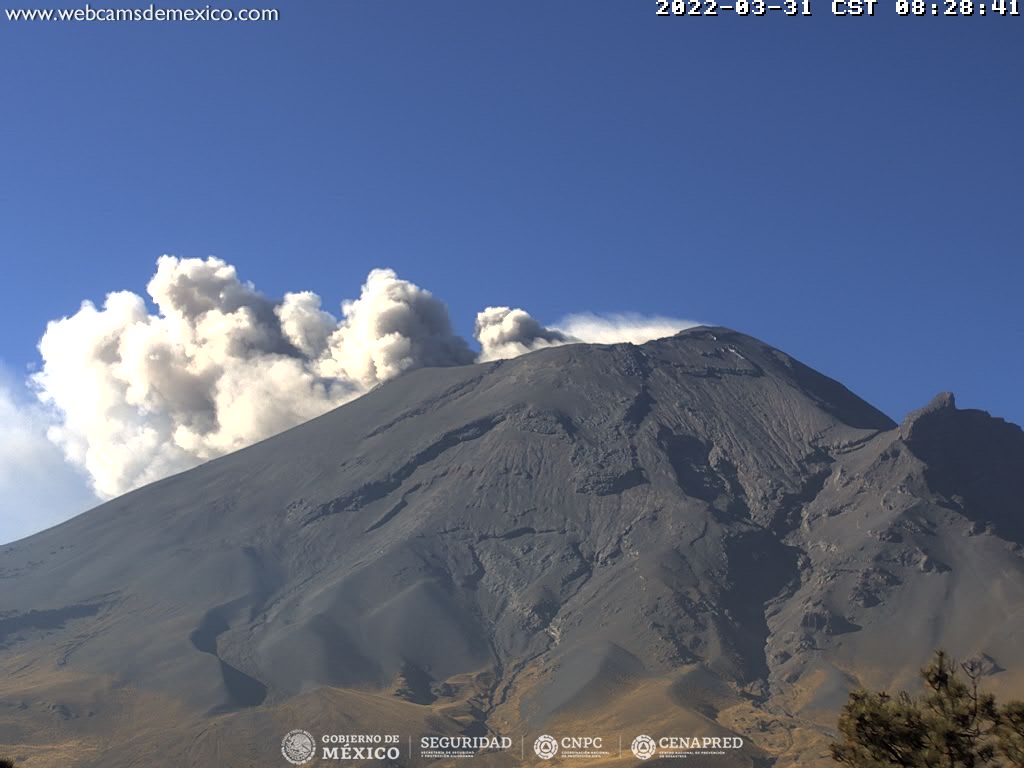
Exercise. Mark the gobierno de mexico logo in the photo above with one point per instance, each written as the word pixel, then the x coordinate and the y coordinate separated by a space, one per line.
pixel 298 746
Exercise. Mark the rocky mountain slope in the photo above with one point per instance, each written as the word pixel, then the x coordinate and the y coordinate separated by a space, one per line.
pixel 695 536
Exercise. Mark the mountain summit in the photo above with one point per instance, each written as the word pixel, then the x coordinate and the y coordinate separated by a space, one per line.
pixel 696 536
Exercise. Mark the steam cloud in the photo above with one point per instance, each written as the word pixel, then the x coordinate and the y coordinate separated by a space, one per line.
pixel 138 396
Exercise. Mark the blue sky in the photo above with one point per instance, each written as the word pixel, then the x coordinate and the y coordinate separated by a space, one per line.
pixel 848 189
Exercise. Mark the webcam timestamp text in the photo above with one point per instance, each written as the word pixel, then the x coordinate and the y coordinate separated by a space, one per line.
pixel 908 8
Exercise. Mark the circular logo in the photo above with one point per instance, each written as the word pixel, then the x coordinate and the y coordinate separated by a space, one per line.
pixel 298 746
pixel 546 747
pixel 643 747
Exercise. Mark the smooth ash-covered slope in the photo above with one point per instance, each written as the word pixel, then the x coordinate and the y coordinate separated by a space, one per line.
pixel 697 536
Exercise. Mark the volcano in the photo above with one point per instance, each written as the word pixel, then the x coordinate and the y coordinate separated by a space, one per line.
pixel 698 537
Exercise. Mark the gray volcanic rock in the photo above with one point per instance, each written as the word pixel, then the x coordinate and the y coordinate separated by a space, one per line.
pixel 696 536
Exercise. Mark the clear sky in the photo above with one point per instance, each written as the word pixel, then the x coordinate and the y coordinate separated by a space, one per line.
pixel 847 189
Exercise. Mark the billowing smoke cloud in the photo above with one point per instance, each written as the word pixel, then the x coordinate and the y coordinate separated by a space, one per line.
pixel 504 333
pixel 139 395
pixel 392 327
pixel 220 366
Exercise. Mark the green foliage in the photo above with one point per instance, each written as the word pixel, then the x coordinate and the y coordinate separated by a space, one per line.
pixel 879 731
pixel 952 725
